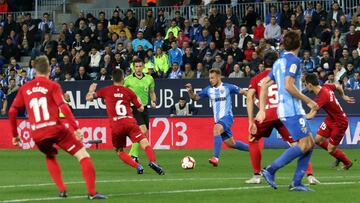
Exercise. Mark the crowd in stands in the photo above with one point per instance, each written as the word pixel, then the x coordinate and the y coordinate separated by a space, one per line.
pixel 92 46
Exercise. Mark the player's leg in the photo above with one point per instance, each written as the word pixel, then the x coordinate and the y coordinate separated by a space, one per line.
pixel 142 120
pixel 218 130
pixel 333 151
pixel 74 147
pixel 280 127
pixel 227 136
pixel 298 127
pixel 46 146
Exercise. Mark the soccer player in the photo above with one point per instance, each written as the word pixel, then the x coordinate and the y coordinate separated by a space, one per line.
pixel 118 99
pixel 286 73
pixel 219 94
pixel 259 130
pixel 143 85
pixel 332 130
pixel 42 99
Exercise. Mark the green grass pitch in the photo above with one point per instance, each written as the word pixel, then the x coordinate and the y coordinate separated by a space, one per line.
pixel 24 178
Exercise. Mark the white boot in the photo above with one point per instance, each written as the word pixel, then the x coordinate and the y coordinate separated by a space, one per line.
pixel 256 179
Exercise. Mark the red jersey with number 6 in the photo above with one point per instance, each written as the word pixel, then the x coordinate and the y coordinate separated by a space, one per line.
pixel 118 100
pixel 272 98
pixel 326 99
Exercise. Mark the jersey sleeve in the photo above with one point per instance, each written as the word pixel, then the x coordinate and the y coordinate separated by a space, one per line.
pixel 57 95
pixel 330 86
pixel 19 102
pixel 252 84
pixel 134 99
pixel 126 82
pixel 100 93
pixel 204 92
pixel 292 68
pixel 321 100
pixel 271 75
pixel 233 89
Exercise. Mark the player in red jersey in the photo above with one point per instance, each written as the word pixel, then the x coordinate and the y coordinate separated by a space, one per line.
pixel 118 100
pixel 42 99
pixel 332 130
pixel 259 130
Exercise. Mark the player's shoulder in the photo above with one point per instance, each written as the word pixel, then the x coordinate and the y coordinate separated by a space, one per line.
pixel 129 77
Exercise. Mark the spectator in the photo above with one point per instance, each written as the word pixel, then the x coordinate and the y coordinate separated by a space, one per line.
pixel 216 19
pixel 228 67
pixel 345 59
pixel 46 25
pixel 3 102
pixel 31 69
pixel 356 60
pixel 201 72
pixel 350 71
pixel 188 29
pixel 326 62
pixel 188 73
pixel 161 24
pixel 179 20
pixel 182 108
pixel 175 73
pixel 319 14
pixel 161 62
pixel 140 41
pixel 10 24
pixel 181 39
pixel 78 43
pixel 259 31
pixel 247 72
pixel 236 52
pixel 307 34
pixel 120 63
pixel 339 72
pixel 103 75
pixel 175 54
pixel 248 51
pixel 218 39
pixel 307 63
pixel 101 34
pixel 106 63
pixel 23 79
pixel 66 66
pixel 249 19
pixel 147 31
pixel 236 73
pixel 12 88
pixel 68 77
pixel 197 31
pixel 343 25
pixel 219 63
pixel 285 16
pixel 335 13
pixel 322 31
pixel 189 58
pixel 58 75
pixel 255 62
pixel 150 20
pixel 330 79
pixel 352 38
pixel 338 36
pixel 354 82
pixel 10 50
pixel 299 13
pixel 273 14
pixel 130 21
pixel 12 76
pixel 4 7
pixel 234 19
pixel 26 40
pixel 102 19
pixel 293 24
pixel 81 74
pixel 210 27
pixel 231 31
pixel 272 31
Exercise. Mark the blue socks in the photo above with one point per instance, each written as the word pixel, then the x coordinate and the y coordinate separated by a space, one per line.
pixel 289 155
pixel 241 146
pixel 217 145
pixel 302 165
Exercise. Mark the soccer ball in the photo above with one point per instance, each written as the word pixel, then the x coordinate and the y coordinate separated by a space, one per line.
pixel 188 162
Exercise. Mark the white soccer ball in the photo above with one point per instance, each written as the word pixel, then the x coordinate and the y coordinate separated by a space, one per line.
pixel 188 162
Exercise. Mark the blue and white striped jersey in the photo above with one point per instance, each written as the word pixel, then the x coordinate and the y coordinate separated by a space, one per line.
pixel 288 65
pixel 220 98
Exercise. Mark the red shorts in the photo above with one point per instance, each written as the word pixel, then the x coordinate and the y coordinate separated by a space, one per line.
pixel 265 128
pixel 331 129
pixel 47 137
pixel 125 128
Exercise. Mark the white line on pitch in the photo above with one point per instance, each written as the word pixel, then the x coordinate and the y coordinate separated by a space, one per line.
pixel 159 180
pixel 168 192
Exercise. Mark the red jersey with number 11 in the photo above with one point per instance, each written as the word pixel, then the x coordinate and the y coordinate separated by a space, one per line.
pixel 118 100
pixel 272 98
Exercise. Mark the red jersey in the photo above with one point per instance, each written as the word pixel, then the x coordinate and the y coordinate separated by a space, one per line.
pixel 272 98
pixel 42 99
pixel 326 99
pixel 118 100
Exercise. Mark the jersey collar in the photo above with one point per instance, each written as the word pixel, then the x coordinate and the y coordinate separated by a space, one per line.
pixel 143 75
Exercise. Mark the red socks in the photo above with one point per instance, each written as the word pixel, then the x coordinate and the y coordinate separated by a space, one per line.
pixel 309 170
pixel 55 172
pixel 88 172
pixel 337 154
pixel 127 159
pixel 255 156
pixel 150 154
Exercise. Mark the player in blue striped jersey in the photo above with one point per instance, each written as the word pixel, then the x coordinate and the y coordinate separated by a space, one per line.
pixel 286 73
pixel 219 94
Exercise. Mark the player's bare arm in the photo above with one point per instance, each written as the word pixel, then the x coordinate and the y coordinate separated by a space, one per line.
pixel 90 94
pixel 152 98
pixel 291 88
pixel 192 95
pixel 141 108
pixel 3 110
pixel 347 99
pixel 311 114
pixel 250 110
pixel 267 82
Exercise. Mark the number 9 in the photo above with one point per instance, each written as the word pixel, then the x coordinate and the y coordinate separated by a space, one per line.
pixel 302 122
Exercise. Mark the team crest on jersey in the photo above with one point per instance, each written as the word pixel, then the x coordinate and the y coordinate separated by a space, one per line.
pixel 24 132
pixel 222 91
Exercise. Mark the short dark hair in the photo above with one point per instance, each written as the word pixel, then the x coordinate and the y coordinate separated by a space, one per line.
pixel 117 75
pixel 215 70
pixel 291 41
pixel 41 64
pixel 138 61
pixel 270 58
pixel 312 78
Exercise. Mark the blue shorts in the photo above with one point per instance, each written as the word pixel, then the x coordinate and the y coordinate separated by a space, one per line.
pixel 226 122
pixel 297 126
